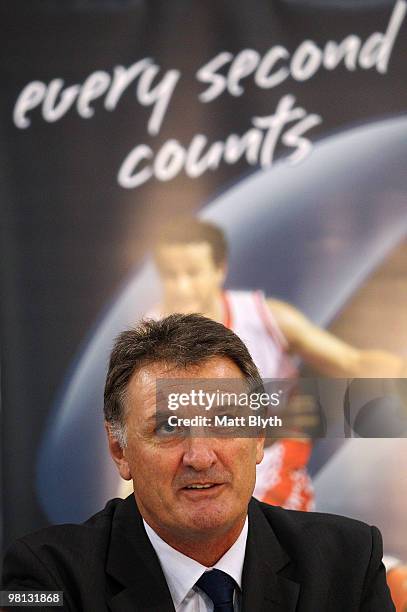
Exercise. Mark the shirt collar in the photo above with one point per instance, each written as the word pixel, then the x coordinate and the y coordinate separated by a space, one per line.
pixel 182 572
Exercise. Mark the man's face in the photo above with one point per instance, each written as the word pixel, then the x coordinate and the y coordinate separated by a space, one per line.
pixel 163 468
pixel 190 278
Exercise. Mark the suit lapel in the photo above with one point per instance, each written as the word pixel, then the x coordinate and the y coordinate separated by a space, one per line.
pixel 138 583
pixel 264 587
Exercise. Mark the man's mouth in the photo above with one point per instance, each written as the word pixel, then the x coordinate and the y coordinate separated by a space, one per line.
pixel 200 486
pixel 197 489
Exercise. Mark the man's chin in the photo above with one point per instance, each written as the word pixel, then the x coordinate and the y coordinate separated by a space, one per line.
pixel 209 519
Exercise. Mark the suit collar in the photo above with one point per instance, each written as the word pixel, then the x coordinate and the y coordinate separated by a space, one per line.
pixel 267 582
pixel 133 564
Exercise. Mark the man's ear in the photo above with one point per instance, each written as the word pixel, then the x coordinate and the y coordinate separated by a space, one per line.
pixel 118 454
pixel 260 449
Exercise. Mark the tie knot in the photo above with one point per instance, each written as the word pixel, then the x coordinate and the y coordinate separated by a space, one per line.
pixel 219 586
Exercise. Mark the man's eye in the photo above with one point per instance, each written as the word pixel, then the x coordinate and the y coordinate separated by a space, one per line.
pixel 165 429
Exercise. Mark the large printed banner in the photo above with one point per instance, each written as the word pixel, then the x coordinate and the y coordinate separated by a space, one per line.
pixel 284 122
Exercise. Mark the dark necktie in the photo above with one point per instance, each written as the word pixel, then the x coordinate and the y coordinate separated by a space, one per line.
pixel 219 586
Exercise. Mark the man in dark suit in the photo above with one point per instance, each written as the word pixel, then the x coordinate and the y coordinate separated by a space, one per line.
pixel 191 538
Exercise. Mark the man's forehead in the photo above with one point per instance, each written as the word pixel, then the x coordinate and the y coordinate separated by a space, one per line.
pixel 142 387
pixel 218 366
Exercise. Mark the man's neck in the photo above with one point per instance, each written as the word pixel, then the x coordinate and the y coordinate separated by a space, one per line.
pixel 203 548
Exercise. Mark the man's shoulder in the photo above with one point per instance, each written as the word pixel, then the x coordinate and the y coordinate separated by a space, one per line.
pixel 94 533
pixel 296 528
pixel 69 557
pixel 337 560
pixel 298 520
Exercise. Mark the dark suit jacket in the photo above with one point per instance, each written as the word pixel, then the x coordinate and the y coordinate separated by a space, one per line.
pixel 308 562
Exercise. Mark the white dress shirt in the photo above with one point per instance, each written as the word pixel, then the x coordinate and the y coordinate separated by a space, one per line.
pixel 182 572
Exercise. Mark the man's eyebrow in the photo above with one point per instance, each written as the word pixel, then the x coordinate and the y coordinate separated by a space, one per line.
pixel 159 414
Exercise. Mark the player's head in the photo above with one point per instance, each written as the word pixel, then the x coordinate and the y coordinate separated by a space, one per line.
pixel 191 258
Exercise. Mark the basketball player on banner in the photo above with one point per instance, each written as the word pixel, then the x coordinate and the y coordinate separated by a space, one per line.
pixel 191 259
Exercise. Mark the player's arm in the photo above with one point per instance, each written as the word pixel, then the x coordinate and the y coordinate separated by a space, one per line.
pixel 327 353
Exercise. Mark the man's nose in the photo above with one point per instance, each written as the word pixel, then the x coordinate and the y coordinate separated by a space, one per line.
pixel 199 453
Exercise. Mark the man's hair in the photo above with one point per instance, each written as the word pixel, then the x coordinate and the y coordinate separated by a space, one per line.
pixel 189 230
pixel 178 341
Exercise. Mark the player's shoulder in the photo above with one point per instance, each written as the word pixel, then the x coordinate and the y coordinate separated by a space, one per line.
pixel 246 298
pixel 280 307
pixel 238 294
